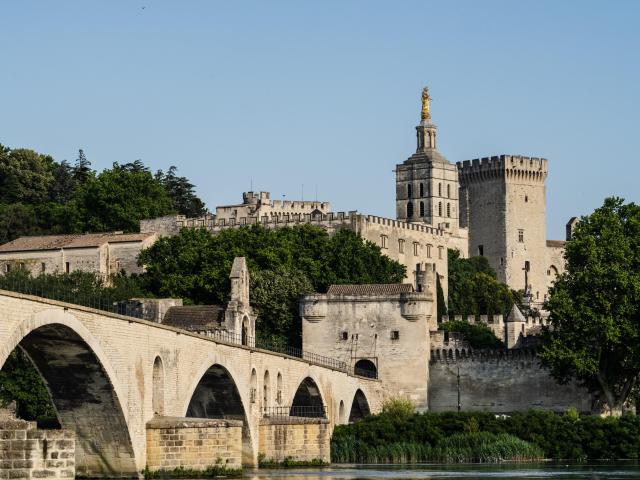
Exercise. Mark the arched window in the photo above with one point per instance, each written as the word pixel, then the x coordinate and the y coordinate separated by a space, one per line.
pixel 409 191
pixel 421 189
pixel 448 191
pixel 439 209
pixel 279 389
pixel 439 189
pixel 266 391
pixel 409 210
pixel 253 393
pixel 341 418
pixel 422 209
pixel 158 387
pixel 448 209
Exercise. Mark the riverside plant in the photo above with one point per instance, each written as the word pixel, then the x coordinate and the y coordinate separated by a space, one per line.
pixel 479 447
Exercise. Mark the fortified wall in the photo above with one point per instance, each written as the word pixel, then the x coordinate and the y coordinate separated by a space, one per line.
pixel 499 382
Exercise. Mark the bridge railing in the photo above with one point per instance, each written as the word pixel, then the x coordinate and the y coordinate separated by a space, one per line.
pixel 91 294
pixel 306 411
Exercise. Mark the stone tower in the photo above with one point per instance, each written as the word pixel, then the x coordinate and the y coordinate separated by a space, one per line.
pixel 426 183
pixel 502 202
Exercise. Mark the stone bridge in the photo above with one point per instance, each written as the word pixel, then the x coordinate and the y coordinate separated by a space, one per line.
pixel 111 376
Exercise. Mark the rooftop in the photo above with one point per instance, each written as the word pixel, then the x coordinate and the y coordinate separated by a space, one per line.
pixel 371 289
pixel 54 242
pixel 195 317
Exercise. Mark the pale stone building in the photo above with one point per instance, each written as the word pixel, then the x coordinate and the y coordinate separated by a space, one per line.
pixel 102 253
pixel 379 330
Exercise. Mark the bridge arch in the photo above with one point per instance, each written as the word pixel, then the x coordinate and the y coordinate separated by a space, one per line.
pixel 216 395
pixel 83 387
pixel 307 400
pixel 359 407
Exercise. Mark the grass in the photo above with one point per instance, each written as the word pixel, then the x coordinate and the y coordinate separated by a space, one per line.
pixel 479 447
pixel 289 462
pixel 212 471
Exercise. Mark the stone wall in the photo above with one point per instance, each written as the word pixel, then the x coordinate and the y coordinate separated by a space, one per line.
pixel 193 443
pixel 498 382
pixel 302 439
pixel 27 452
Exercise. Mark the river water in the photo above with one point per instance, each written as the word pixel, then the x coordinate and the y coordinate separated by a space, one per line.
pixel 589 471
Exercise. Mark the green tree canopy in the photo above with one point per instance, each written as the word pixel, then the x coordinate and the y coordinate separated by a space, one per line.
pixel 595 305
pixel 182 193
pixel 195 265
pixel 474 288
pixel 118 198
pixel 478 335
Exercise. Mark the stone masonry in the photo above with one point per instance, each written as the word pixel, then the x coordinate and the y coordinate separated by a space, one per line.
pixel 27 452
pixel 304 439
pixel 193 443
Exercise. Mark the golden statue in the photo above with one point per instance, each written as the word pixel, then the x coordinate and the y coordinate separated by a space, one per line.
pixel 426 100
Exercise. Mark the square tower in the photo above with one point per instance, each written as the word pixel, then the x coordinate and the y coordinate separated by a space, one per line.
pixel 427 183
pixel 502 202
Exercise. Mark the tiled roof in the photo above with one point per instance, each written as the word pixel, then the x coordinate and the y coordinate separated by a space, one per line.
pixel 54 242
pixel 371 289
pixel 195 317
pixel 556 243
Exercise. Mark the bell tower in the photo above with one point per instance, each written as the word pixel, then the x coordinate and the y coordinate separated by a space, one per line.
pixel 427 183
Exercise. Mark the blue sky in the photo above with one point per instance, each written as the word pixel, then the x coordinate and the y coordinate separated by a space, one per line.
pixel 326 94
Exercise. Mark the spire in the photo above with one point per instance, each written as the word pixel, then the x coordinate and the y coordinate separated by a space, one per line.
pixel 426 131
pixel 515 315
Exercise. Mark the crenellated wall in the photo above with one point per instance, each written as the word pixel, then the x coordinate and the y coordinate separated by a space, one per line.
pixel 501 381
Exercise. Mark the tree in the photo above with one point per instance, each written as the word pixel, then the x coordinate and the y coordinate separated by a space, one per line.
pixel 284 263
pixel 478 335
pixel 118 198
pixel 474 288
pixel 594 305
pixel 82 168
pixel 182 194
pixel 25 176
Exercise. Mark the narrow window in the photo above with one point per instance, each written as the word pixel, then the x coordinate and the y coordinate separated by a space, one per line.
pixel 67 267
pixel 409 210
pixel 521 236
pixel 448 210
pixel 383 241
pixel 526 198
pixel 448 191
pixel 422 209
pixel 422 189
pixel 395 334
pixel 440 250
pixel 409 192
pixel 439 189
pixel 501 261
pixel 43 267
pixel 439 209
pixel 401 246
pixel 415 248
pixel 22 266
pixel 481 250
pixel 527 266
pixel 7 268
pixel 428 251
pixel 345 335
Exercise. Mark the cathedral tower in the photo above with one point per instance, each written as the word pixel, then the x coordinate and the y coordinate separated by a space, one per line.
pixel 503 205
pixel 426 183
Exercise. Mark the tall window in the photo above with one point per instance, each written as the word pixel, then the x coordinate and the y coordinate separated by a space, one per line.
pixel 439 209
pixel 409 191
pixel 401 246
pixel 67 267
pixel 521 236
pixel 439 189
pixel 422 208
pixel 481 250
pixel 428 251
pixel 415 248
pixel 383 241
pixel 448 209
pixel 448 191
pixel 440 250
pixel 409 210
pixel 421 189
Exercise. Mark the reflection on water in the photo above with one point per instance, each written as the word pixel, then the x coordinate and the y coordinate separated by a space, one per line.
pixel 610 471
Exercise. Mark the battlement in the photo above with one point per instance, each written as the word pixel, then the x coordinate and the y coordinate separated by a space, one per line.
pixel 515 167
pixel 300 204
pixel 417 227
pixel 454 355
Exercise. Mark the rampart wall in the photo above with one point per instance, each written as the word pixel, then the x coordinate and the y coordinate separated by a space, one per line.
pixel 498 382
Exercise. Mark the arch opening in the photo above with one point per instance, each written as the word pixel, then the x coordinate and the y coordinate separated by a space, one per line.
pixel 266 391
pixel 341 418
pixel 217 396
pixel 307 402
pixel 158 387
pixel 84 399
pixel 365 368
pixel 359 407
